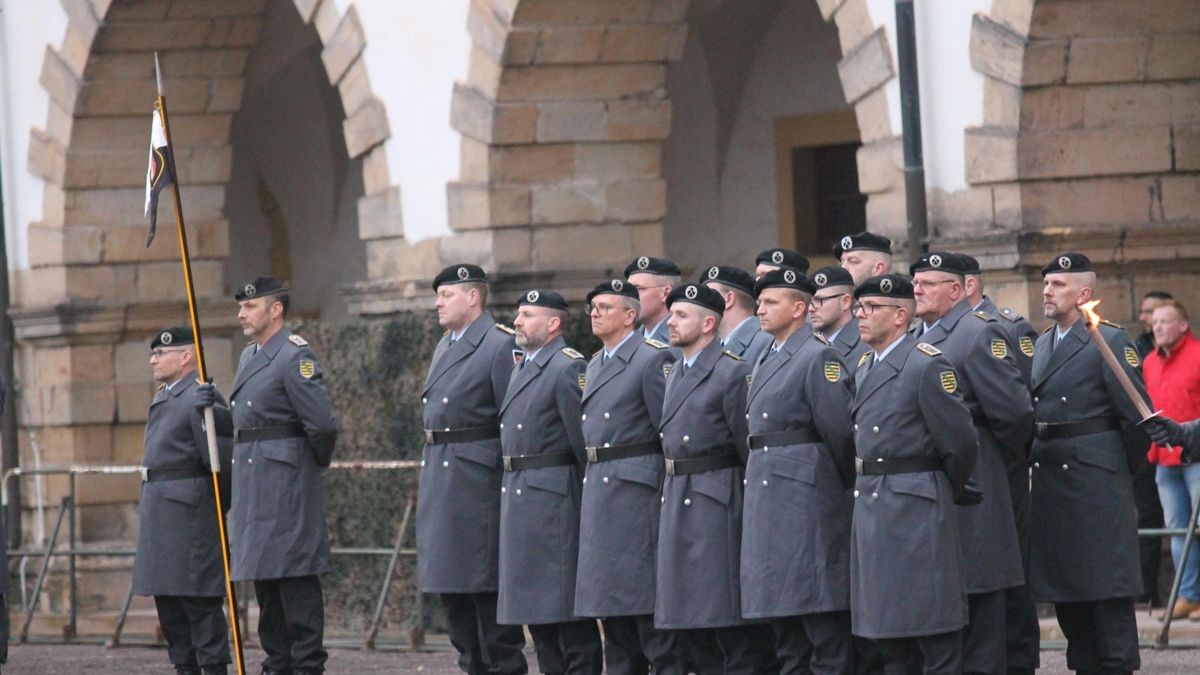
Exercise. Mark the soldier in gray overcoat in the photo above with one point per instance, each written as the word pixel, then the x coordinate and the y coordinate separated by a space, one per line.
pixel 1022 631
pixel 916 448
pixel 618 524
pixel 1083 535
pixel 739 331
pixel 832 318
pixel 795 567
pixel 993 390
pixel 458 503
pixel 703 432
pixel 179 541
pixel 544 457
pixel 284 435
pixel 653 278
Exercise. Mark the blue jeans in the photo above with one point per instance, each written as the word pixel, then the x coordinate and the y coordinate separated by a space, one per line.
pixel 1177 488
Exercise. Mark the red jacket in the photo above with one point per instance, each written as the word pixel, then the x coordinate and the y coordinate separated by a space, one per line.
pixel 1173 382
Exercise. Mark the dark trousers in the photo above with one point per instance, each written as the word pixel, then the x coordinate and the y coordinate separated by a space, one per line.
pixel 1022 632
pixel 929 654
pixel 730 650
pixel 1150 515
pixel 814 643
pixel 1101 636
pixel 291 624
pixel 3 622
pixel 633 646
pixel 196 632
pixel 484 647
pixel 984 645
pixel 568 648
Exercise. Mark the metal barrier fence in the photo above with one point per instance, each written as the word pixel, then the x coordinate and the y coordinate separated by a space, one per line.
pixel 73 552
pixel 417 635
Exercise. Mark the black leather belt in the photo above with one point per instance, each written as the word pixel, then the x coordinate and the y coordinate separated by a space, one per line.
pixel 523 462
pixel 1095 425
pixel 466 435
pixel 793 437
pixel 252 434
pixel 884 467
pixel 173 472
pixel 622 451
pixel 720 457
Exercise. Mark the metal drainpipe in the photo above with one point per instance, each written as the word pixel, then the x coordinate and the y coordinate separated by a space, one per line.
pixel 8 417
pixel 910 120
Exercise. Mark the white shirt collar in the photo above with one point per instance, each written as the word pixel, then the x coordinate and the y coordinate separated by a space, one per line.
pixel 879 356
pixel 649 332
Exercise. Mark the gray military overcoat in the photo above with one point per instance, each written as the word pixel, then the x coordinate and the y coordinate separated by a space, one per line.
pixel 1021 335
pixel 1082 519
pixel 179 542
pixel 796 522
pixel 906 575
pixel 700 527
pixel 992 388
pixel 458 503
pixel 277 519
pixel 539 508
pixel 849 345
pixel 748 340
pixel 618 524
pixel 660 333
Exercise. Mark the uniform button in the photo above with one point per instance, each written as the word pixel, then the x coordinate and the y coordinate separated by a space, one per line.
pixel 686 439
pixel 233 404
pixel 874 495
pixel 503 489
pixel 747 415
pixel 856 493
pixel 1064 399
pixel 766 449
pixel 605 415
pixel 1037 465
pixel 764 416
pixel 663 500
pixel 660 435
pixel 875 429
pixel 1035 399
pixel 606 480
pixel 856 427
pixel 249 404
pixel 446 462
pixel 745 482
pixel 445 400
pixel 1064 467
pixel 608 445
pixel 424 400
pixel 585 480
pixel 234 461
pixel 583 417
pixel 687 502
pixel 764 483
pixel 422 462
pixel 518 492
pixel 251 460
pixel 519 427
pixel 502 425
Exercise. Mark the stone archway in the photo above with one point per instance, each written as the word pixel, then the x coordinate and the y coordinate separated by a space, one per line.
pixel 564 114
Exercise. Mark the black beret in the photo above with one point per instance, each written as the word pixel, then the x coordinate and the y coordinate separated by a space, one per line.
pixel 614 287
pixel 541 297
pixel 832 276
pixel 784 278
pixel 783 257
pixel 939 261
pixel 970 265
pixel 697 295
pixel 1068 262
pixel 175 335
pixel 260 287
pixel 887 285
pixel 863 241
pixel 735 277
pixel 462 273
pixel 649 265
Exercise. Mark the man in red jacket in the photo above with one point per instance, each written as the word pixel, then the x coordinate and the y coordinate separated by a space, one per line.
pixel 1172 373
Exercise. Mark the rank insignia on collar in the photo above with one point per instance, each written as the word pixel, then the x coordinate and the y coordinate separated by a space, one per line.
pixel 582 380
pixel 667 369
pixel 1026 345
pixel 999 349
pixel 949 381
pixel 307 369
pixel 833 371
pixel 748 379
pixel 862 360
pixel 821 338
pixel 518 356
pixel 1131 357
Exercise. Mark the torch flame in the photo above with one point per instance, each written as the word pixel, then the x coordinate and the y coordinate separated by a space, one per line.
pixel 1089 312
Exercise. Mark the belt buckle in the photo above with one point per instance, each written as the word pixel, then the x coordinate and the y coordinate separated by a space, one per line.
pixel 592 454
pixel 670 467
pixel 145 473
pixel 858 465
pixel 507 462
pixel 429 436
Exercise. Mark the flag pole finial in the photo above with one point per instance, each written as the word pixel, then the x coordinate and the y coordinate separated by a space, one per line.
pixel 158 74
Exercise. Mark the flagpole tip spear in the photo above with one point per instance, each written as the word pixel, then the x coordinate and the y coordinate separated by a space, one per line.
pixel 158 74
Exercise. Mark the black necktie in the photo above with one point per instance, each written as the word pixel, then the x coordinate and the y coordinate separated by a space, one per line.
pixel 604 358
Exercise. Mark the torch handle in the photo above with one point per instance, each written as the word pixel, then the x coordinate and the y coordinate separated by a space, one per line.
pixel 1115 366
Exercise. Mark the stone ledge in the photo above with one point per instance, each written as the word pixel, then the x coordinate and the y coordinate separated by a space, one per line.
pixel 866 67
pixel 996 51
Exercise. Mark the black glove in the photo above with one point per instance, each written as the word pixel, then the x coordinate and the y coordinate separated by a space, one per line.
pixel 970 496
pixel 205 396
pixel 1164 431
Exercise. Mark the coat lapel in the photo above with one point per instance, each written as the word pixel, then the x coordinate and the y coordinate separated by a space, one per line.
pixel 685 383
pixel 1074 340
pixel 765 370
pixel 847 338
pixel 530 369
pixel 464 347
pixel 260 359
pixel 602 373
pixel 877 374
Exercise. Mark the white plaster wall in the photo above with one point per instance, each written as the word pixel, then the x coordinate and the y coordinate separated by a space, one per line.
pixel 951 91
pixel 26 28
pixel 415 52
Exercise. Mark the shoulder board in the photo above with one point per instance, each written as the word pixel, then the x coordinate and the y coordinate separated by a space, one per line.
pixel 505 329
pixel 1010 315
pixel 598 352
pixel 1111 324
pixel 731 355
pixel 656 344
pixel 862 360
pixel 821 338
pixel 297 340
pixel 1047 329
pixel 572 353
pixel 445 332
pixel 984 316
pixel 160 387
pixel 926 348
pixel 250 343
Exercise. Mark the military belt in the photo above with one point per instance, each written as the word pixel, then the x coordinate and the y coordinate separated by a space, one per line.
pixel 720 457
pixel 1048 430
pixel 251 434
pixel 465 435
pixel 173 472
pixel 884 467
pixel 623 451
pixel 523 462
pixel 793 437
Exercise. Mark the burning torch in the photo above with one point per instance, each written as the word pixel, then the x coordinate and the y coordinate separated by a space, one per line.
pixel 1092 319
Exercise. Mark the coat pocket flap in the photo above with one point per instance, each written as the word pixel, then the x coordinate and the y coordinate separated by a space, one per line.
pixel 480 454
pixel 918 485
pixel 281 451
pixel 1098 457
pixel 714 485
pixel 184 491
pixel 787 467
pixel 553 479
pixel 636 473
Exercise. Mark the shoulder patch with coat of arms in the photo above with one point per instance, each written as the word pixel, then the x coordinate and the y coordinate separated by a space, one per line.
pixel 928 349
pixel 833 371
pixel 999 349
pixel 949 381
pixel 1026 345
pixel 656 344
pixel 505 329
pixel 1131 357
pixel 667 368
pixel 308 368
pixel 572 353
pixel 582 380
pixel 862 360
pixel 297 340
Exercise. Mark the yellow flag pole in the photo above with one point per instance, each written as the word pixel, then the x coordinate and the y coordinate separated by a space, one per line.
pixel 214 459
